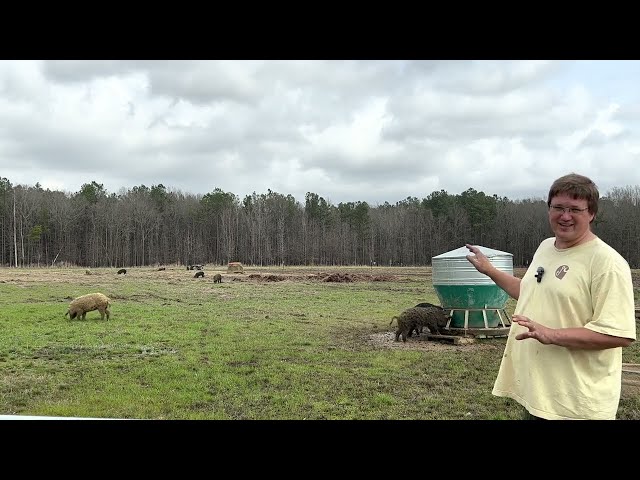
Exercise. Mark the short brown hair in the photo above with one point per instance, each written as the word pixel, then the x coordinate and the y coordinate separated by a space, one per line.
pixel 578 187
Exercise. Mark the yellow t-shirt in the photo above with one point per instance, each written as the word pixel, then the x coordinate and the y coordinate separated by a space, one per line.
pixel 585 286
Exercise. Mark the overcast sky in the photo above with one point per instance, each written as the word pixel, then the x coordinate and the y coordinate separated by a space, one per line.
pixel 374 131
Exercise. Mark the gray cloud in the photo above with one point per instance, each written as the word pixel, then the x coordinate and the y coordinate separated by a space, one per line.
pixel 376 131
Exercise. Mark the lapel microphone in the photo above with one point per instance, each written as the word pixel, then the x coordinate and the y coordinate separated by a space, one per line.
pixel 538 275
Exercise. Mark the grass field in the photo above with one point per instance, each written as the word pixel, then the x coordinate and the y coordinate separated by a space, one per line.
pixel 265 344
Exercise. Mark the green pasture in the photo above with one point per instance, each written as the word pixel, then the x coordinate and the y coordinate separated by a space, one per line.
pixel 284 345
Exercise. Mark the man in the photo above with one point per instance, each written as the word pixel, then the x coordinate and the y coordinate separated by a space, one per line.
pixel 575 312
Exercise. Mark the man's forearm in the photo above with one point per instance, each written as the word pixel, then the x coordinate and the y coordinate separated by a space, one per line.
pixel 585 339
pixel 506 281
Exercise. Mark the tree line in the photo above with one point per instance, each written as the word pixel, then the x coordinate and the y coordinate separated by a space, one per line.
pixel 149 226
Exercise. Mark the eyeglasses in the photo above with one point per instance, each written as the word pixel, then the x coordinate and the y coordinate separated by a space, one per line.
pixel 571 210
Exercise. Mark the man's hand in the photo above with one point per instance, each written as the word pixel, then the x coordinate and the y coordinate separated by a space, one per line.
pixel 577 337
pixel 479 260
pixel 537 331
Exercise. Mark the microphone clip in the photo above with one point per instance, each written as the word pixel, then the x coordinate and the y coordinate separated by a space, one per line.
pixel 538 275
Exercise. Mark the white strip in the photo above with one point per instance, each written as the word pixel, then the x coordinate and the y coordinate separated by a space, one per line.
pixel 36 417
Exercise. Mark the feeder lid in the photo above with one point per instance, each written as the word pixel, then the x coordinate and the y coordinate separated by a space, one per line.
pixel 464 251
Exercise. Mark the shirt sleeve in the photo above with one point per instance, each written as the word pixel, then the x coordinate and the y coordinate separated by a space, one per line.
pixel 613 302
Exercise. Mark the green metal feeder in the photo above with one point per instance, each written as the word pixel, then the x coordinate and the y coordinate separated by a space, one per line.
pixel 473 299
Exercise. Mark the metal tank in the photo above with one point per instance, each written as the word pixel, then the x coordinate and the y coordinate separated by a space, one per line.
pixel 473 298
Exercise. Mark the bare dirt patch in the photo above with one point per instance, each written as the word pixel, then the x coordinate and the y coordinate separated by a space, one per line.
pixel 352 277
pixel 268 278
pixel 338 277
pixel 387 340
pixel 177 274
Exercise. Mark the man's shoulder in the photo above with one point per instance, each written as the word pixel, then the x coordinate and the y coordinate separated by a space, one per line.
pixel 545 247
pixel 547 243
pixel 603 252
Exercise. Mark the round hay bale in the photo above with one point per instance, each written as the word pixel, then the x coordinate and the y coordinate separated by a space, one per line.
pixel 235 267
